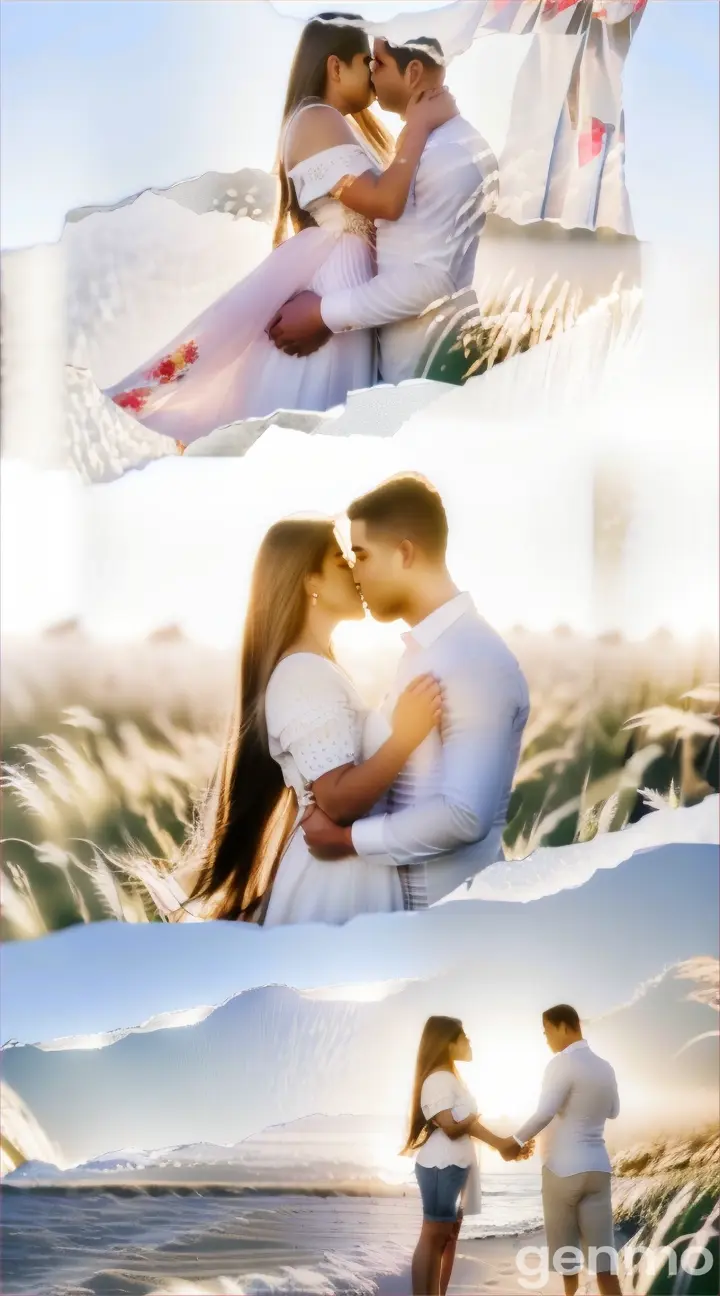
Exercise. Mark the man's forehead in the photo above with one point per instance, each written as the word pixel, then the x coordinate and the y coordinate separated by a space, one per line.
pixel 379 45
pixel 358 533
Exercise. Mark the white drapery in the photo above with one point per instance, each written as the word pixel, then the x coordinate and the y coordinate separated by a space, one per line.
pixel 564 156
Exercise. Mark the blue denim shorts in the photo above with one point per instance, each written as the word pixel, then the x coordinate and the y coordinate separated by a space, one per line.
pixel 440 1191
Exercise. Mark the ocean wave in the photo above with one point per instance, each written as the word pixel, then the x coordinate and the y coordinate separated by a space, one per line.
pixel 65 1186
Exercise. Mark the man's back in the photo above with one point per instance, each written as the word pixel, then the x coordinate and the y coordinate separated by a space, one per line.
pixel 574 1141
pixel 436 238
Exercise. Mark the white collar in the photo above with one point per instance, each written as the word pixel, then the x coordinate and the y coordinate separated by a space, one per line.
pixel 431 627
pixel 575 1045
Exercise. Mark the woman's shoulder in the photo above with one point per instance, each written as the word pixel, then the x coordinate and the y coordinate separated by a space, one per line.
pixel 306 691
pixel 303 675
pixel 315 128
pixel 439 1082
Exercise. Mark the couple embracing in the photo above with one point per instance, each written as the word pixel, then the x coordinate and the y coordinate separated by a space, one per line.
pixel 372 236
pixel 321 809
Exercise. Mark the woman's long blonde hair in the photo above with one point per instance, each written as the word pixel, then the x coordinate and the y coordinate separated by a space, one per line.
pixel 253 811
pixel 439 1033
pixel 323 36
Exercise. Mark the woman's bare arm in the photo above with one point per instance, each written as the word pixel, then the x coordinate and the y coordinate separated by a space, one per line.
pixel 378 197
pixel 454 1128
pixel 350 791
pixel 500 1144
pixel 484 1135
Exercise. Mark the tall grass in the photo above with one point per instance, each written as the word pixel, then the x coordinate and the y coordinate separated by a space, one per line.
pixel 519 316
pixel 667 1196
pixel 107 749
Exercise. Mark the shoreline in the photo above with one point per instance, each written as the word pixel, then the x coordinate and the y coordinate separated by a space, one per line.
pixel 488 1267
pixel 483 1267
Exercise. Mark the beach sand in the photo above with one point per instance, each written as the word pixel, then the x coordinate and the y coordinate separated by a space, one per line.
pixel 488 1267
pixel 481 1265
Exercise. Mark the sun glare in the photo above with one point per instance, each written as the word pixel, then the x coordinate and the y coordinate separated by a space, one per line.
pixel 506 1081
pixel 371 992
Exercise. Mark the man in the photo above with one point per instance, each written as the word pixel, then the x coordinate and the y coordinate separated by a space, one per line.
pixel 445 815
pixel 579 1094
pixel 428 254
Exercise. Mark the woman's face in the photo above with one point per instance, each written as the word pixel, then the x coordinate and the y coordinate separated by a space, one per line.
pixel 356 86
pixel 337 591
pixel 461 1050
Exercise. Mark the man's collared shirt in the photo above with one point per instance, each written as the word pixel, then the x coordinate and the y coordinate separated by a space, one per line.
pixel 447 810
pixel 429 253
pixel 579 1094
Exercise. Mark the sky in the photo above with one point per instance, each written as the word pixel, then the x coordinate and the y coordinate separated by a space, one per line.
pixel 658 908
pixel 99 100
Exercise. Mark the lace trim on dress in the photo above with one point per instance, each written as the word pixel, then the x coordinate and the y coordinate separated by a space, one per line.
pixel 360 225
pixel 304 717
pixel 326 174
pixel 325 747
pixel 330 166
pixel 353 221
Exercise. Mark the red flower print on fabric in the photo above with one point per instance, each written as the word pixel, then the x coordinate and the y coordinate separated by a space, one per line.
pixel 592 141
pixel 135 399
pixel 555 7
pixel 175 365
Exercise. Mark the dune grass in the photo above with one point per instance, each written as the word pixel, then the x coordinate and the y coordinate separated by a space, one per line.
pixel 667 1198
pixel 107 749
pixel 519 316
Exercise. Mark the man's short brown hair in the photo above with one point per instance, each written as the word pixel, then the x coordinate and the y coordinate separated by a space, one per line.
pixel 562 1015
pixel 425 49
pixel 407 507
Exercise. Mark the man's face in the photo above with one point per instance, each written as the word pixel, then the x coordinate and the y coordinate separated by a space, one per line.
pixel 391 86
pixel 380 572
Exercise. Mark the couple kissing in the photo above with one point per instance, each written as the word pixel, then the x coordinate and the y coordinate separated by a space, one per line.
pixel 322 809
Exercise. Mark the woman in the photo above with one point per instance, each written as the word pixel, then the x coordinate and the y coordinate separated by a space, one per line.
pixel 223 367
pixel 443 1123
pixel 301 735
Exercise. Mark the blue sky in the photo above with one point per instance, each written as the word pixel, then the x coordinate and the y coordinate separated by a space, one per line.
pixel 655 910
pixel 101 99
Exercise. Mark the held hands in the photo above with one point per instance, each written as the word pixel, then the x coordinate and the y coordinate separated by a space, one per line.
pixel 430 109
pixel 510 1150
pixel 418 711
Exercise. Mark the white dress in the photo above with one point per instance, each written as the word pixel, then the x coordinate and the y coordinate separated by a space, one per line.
pixel 316 721
pixel 223 368
pixel 443 1091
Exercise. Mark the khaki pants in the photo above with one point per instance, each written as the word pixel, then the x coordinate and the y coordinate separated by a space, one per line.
pixel 578 1214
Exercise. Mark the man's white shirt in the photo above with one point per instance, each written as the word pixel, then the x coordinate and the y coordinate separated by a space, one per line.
pixel 426 255
pixel 579 1093
pixel 447 811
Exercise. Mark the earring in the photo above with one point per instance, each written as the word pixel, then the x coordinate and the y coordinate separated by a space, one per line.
pixel 314 597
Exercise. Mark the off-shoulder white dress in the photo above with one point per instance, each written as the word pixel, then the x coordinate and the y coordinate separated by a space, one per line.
pixel 316 721
pixel 223 368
